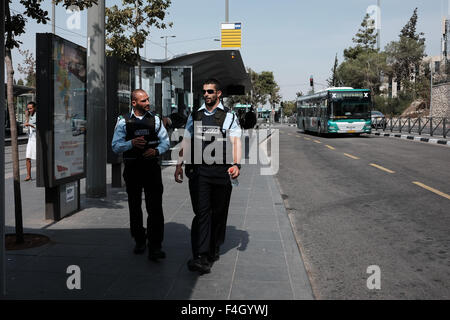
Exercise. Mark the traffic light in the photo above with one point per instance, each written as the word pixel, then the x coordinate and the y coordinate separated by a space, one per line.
pixel 311 81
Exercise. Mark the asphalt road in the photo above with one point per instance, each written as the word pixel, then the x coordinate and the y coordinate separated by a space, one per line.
pixel 356 202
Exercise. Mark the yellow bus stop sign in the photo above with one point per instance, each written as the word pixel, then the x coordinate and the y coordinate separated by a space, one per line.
pixel 231 34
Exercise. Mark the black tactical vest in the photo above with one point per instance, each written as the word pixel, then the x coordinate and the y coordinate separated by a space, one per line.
pixel 211 129
pixel 137 128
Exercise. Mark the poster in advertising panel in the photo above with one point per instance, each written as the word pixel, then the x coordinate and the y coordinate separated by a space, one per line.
pixel 69 66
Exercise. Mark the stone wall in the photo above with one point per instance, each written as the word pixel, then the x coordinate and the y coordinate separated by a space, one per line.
pixel 441 100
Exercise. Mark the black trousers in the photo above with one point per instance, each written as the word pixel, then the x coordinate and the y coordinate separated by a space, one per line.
pixel 210 199
pixel 138 176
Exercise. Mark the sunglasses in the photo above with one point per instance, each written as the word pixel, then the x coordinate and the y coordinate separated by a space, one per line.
pixel 210 91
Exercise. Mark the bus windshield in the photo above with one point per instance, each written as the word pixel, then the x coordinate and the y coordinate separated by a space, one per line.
pixel 351 109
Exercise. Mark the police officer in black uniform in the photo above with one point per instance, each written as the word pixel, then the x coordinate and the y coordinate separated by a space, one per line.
pixel 211 163
pixel 142 138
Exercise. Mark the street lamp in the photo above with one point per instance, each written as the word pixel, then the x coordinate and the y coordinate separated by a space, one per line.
pixel 166 41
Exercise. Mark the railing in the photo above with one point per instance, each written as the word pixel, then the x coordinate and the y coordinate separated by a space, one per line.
pixel 433 126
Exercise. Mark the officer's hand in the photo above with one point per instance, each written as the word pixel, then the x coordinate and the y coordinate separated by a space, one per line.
pixel 150 153
pixel 139 142
pixel 179 174
pixel 233 172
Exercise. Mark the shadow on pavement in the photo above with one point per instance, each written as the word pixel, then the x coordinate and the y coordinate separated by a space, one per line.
pixel 108 268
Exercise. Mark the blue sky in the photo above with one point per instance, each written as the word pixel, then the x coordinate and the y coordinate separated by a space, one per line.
pixel 292 38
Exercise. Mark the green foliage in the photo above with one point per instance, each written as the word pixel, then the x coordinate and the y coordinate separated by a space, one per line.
pixel 333 81
pixel 365 40
pixel 289 108
pixel 264 89
pixel 392 106
pixel 128 27
pixel 365 71
pixel 28 67
pixel 364 65
pixel 405 56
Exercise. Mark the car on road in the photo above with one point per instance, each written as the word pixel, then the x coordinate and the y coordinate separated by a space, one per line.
pixel 378 119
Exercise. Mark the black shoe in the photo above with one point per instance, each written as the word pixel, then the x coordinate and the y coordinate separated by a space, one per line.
pixel 200 264
pixel 156 254
pixel 213 257
pixel 139 248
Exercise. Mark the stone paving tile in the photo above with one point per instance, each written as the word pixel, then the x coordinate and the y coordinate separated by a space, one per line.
pixel 261 290
pixel 259 272
pixel 130 286
pixel 198 288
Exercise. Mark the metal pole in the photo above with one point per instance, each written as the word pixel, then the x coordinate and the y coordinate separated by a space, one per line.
pixel 53 17
pixel 379 25
pixel 2 148
pixel 96 108
pixel 431 87
pixel 166 46
pixel 227 11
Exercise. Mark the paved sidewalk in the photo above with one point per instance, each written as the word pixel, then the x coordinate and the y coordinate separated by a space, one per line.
pixel 414 136
pixel 259 260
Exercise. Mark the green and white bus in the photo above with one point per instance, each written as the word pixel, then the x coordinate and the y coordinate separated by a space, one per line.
pixel 335 110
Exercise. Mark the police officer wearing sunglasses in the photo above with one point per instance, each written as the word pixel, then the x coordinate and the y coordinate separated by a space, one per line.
pixel 212 153
pixel 142 138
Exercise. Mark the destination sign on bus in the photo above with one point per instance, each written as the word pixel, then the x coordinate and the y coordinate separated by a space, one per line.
pixel 337 95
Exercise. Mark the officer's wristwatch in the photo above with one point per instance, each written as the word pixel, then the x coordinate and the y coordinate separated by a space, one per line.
pixel 237 165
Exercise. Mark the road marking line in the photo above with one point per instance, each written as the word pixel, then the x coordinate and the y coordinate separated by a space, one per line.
pixel 350 156
pixel 330 147
pixel 289 134
pixel 306 138
pixel 432 189
pixel 381 168
pixel 317 141
pixel 298 136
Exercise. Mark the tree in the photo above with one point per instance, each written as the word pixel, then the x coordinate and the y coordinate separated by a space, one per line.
pixel 289 108
pixel 259 94
pixel 333 80
pixel 405 56
pixel 136 18
pixel 28 67
pixel 14 28
pixel 299 94
pixel 365 39
pixel 365 71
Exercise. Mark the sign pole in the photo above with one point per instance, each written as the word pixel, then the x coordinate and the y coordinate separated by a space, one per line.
pixel 227 11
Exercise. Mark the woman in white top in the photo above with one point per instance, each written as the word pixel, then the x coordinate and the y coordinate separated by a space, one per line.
pixel 31 146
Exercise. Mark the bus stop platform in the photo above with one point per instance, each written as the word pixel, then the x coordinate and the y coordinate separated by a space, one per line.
pixel 260 259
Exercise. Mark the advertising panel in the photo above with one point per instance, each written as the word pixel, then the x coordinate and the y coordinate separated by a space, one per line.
pixel 69 114
pixel 61 119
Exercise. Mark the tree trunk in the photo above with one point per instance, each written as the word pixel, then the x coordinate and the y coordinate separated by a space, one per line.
pixel 14 146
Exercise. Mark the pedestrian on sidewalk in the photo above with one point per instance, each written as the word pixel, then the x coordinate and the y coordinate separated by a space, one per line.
pixel 250 119
pixel 30 123
pixel 142 138
pixel 207 130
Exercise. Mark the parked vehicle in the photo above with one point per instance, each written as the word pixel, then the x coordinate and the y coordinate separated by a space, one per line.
pixel 378 119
